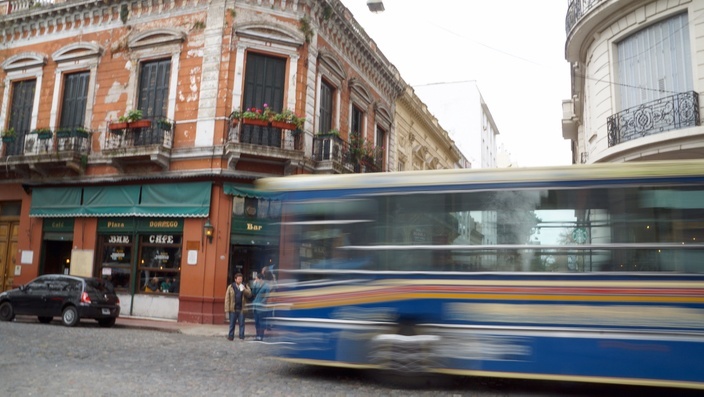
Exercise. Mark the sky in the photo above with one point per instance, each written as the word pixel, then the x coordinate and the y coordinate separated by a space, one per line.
pixel 513 49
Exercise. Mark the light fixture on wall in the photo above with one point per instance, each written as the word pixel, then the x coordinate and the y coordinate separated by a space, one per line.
pixel 209 230
pixel 375 5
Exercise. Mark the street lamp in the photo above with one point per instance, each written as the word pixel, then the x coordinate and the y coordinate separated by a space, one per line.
pixel 375 5
pixel 209 230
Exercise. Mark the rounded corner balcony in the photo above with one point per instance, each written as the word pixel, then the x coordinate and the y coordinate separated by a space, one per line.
pixel 583 16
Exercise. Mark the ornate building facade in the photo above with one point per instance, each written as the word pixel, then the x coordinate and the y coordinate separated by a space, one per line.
pixel 636 75
pixel 127 151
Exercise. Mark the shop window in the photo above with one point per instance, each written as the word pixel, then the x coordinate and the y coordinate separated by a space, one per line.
pixel 116 262
pixel 160 263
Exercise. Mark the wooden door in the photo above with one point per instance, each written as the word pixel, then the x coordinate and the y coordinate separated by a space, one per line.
pixel 8 253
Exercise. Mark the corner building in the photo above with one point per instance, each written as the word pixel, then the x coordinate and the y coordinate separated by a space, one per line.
pixel 636 74
pixel 167 197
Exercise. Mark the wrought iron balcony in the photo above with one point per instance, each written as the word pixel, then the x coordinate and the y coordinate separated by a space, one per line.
pixel 274 144
pixel 140 143
pixel 670 113
pixel 576 10
pixel 332 154
pixel 48 151
pixel 337 156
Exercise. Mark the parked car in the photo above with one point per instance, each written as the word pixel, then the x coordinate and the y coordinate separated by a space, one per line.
pixel 70 297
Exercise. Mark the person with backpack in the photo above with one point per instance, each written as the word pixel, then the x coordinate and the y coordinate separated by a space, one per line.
pixel 235 305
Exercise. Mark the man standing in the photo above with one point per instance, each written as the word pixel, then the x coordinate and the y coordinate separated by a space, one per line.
pixel 235 305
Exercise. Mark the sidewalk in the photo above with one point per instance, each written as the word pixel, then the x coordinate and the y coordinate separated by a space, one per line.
pixel 176 327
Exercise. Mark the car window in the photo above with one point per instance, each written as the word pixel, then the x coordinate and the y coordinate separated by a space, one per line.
pixel 57 285
pixel 37 286
pixel 75 285
pixel 98 286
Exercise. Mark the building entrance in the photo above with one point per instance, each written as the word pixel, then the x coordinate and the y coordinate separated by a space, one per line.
pixel 8 253
pixel 249 260
pixel 57 257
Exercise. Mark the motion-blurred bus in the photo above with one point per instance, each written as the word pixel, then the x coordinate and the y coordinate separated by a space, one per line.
pixel 591 273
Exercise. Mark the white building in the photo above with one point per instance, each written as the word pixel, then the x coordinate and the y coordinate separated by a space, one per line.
pixel 460 108
pixel 636 74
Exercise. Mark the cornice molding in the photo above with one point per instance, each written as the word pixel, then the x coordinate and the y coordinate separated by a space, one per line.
pixel 336 24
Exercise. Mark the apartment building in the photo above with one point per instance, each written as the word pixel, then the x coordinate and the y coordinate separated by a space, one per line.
pixel 132 133
pixel 636 77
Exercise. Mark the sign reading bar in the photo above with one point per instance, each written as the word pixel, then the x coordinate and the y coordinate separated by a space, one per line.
pixel 119 239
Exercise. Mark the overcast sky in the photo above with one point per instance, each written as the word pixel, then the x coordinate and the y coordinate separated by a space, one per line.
pixel 513 49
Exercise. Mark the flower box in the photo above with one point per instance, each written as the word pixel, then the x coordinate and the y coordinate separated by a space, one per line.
pixel 262 123
pixel 45 135
pixel 235 122
pixel 80 133
pixel 284 125
pixel 8 139
pixel 117 126
pixel 140 124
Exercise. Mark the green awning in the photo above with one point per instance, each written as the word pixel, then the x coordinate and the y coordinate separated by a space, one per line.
pixel 181 200
pixel 56 202
pixel 235 189
pixel 110 200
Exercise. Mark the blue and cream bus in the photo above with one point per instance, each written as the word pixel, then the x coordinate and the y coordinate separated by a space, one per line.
pixel 590 273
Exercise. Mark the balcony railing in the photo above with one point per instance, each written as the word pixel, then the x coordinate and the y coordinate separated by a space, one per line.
pixel 576 10
pixel 61 141
pixel 266 136
pixel 333 148
pixel 343 156
pixel 156 133
pixel 670 113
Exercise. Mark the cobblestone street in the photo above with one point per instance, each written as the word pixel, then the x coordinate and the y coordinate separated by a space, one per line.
pixel 86 360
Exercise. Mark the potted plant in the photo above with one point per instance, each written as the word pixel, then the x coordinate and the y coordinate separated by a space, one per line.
pixel 131 119
pixel 43 133
pixel 255 116
pixel 134 119
pixel 63 132
pixel 164 124
pixel 235 117
pixel 118 126
pixel 287 120
pixel 80 132
pixel 9 135
pixel 333 132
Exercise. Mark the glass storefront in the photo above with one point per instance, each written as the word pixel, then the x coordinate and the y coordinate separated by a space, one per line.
pixel 141 256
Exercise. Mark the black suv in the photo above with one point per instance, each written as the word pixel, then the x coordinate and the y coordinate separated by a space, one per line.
pixel 70 297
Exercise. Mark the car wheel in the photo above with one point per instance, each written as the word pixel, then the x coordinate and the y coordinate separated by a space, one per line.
pixel 7 313
pixel 107 322
pixel 70 316
pixel 45 319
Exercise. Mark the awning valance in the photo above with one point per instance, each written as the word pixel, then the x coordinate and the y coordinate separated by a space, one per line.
pixel 109 200
pixel 182 200
pixel 56 202
pixel 234 189
pixel 193 200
